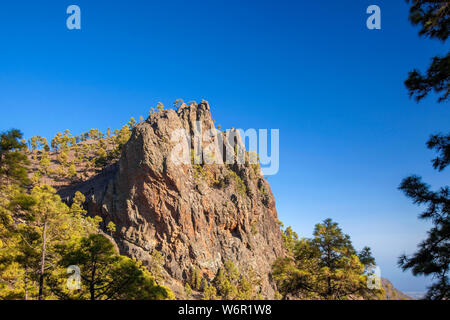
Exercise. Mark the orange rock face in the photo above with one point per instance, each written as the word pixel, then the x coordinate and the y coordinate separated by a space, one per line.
pixel 195 215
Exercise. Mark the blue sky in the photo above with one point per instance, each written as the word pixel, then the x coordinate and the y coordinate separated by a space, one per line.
pixel 348 131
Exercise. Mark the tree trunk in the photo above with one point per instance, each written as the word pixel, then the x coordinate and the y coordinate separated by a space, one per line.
pixel 26 283
pixel 92 290
pixel 41 275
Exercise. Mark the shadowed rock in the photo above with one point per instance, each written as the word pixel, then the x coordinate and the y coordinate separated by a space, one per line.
pixel 195 215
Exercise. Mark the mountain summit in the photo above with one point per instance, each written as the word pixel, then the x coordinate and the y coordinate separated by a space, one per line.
pixel 197 215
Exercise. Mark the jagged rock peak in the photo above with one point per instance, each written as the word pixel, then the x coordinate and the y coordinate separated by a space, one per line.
pixel 196 215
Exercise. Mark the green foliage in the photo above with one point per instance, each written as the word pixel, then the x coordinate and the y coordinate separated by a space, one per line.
pixel 36 178
pixel 31 253
pixel 187 290
pixel 178 103
pixel 441 144
pixel 262 190
pixel 101 159
pixel 132 123
pixel 254 227
pixel 253 160
pixel 13 159
pixel 106 275
pixel 156 265
pixel 432 16
pixel 224 283
pixel 196 279
pixel 38 142
pixel 230 284
pixel 39 233
pixel 95 134
pixel 290 239
pixel 60 172
pixel 160 107
pixel 63 158
pixel 365 257
pixel 241 188
pixel 123 136
pixel 111 227
pixel 72 171
pixel 434 19
pixel 432 257
pixel 324 267
pixel 63 141
pixel 437 79
pixel 209 291
pixel 200 172
pixel 44 162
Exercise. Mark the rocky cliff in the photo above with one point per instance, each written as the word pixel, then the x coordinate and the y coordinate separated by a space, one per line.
pixel 391 293
pixel 196 215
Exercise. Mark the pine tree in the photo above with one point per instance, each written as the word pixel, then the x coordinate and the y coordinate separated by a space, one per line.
pixel 72 171
pixel 106 275
pixel 324 267
pixel 13 201
pixel 187 290
pixel 123 136
pixel 13 159
pixel 209 291
pixel 433 17
pixel 48 213
pixel 365 257
pixel 156 266
pixel 95 134
pixel 132 123
pixel 44 163
pixel 231 284
pixel 196 278
pixel 111 227
pixel 160 107
pixel 433 255
pixel 290 238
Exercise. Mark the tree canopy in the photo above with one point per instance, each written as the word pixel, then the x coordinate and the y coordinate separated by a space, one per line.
pixel 41 235
pixel 433 17
pixel 433 255
pixel 13 160
pixel 325 267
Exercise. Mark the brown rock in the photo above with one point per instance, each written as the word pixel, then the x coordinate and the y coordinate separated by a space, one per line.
pixel 194 215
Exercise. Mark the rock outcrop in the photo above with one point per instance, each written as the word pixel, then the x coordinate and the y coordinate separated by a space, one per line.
pixel 391 293
pixel 197 215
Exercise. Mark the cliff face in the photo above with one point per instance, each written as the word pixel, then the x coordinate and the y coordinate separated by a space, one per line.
pixel 195 215
pixel 391 293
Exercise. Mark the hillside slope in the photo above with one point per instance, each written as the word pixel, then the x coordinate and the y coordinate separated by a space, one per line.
pixel 197 216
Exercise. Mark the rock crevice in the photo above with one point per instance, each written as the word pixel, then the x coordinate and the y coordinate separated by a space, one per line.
pixel 195 215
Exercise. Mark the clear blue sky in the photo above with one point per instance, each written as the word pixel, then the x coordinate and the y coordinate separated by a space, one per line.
pixel 348 131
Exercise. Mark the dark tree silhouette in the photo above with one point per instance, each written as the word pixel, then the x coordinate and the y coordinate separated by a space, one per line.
pixel 12 158
pixel 433 17
pixel 366 258
pixel 442 145
pixel 433 255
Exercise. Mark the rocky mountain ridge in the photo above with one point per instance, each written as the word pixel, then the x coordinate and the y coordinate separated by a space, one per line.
pixel 193 206
pixel 196 215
